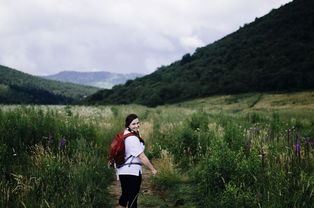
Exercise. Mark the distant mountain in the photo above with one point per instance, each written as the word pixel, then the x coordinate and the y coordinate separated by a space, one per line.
pixel 20 88
pixel 274 53
pixel 98 79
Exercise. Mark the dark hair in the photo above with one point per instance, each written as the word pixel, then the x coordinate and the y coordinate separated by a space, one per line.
pixel 129 119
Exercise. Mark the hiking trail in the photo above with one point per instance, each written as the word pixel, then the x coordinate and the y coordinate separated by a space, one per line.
pixel 146 191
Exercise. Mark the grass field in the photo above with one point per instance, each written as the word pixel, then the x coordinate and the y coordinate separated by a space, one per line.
pixel 246 150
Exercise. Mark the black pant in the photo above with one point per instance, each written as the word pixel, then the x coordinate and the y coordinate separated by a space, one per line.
pixel 130 186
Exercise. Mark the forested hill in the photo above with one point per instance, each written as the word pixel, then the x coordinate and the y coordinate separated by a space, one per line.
pixel 273 53
pixel 19 88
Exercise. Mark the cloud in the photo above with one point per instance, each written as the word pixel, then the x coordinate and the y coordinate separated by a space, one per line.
pixel 45 37
pixel 191 42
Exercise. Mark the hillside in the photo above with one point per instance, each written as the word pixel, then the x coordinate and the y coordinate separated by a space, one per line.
pixel 97 79
pixel 20 88
pixel 273 53
pixel 293 103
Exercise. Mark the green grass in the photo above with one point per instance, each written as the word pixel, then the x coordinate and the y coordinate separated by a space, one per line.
pixel 222 151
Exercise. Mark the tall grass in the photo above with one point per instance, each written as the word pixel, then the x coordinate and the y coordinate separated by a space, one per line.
pixel 228 151
pixel 56 156
pixel 50 159
pixel 252 160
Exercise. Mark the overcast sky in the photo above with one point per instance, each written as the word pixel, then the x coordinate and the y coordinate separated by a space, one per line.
pixel 43 37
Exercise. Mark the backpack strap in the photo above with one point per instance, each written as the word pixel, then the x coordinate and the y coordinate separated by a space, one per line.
pixel 129 163
pixel 124 136
pixel 129 158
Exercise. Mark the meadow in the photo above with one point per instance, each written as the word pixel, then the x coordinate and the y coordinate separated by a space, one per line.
pixel 246 150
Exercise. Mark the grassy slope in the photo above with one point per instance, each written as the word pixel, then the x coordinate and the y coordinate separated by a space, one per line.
pixel 297 102
pixel 250 102
pixel 22 88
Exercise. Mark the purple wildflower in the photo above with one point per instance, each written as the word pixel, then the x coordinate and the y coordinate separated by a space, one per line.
pixel 50 139
pixel 298 145
pixel 62 143
pixel 298 148
pixel 299 140
pixel 307 140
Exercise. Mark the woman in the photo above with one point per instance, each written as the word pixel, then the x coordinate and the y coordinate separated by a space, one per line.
pixel 130 174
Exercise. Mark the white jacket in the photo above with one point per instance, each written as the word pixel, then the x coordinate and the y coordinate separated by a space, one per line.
pixel 133 148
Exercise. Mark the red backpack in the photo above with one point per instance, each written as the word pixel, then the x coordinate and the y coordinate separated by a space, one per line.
pixel 117 149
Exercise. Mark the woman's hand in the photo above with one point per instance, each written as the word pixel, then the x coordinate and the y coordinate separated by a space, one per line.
pixel 147 163
pixel 154 171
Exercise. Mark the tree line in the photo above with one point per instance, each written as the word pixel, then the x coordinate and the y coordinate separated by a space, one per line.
pixel 274 53
pixel 19 88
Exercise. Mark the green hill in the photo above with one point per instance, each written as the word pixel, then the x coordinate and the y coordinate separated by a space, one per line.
pixel 19 88
pixel 273 53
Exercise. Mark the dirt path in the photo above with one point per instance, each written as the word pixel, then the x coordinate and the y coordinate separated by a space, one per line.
pixel 146 197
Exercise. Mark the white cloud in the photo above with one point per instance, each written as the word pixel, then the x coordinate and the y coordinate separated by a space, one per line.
pixel 45 37
pixel 191 42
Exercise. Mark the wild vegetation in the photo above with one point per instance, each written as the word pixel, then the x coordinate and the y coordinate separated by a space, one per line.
pixel 272 54
pixel 246 150
pixel 19 88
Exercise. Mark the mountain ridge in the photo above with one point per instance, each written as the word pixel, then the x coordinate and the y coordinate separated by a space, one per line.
pixel 101 79
pixel 273 53
pixel 17 87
